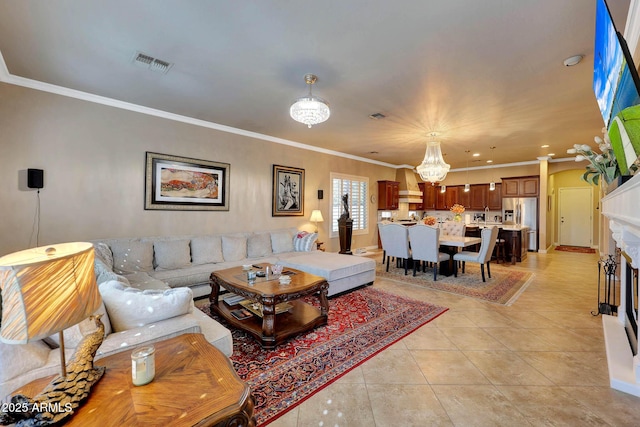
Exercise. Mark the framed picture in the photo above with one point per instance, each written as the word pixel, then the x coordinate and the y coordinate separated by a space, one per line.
pixel 287 191
pixel 182 183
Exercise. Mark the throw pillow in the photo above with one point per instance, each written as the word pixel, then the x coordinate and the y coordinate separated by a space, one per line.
pixel 130 256
pixel 104 254
pixel 259 245
pixel 234 248
pixel 206 250
pixel 172 254
pixel 282 241
pixel 130 308
pixel 303 242
pixel 102 272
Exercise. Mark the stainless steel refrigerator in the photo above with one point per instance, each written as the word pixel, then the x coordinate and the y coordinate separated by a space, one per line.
pixel 522 211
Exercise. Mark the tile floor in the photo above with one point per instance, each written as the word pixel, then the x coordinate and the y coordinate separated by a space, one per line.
pixel 540 361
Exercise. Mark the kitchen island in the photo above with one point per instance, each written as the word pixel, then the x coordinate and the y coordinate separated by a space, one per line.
pixel 516 238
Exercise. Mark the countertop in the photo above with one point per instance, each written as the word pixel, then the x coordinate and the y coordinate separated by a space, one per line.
pixel 504 227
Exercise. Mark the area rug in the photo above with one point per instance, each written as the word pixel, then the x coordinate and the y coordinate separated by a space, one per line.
pixel 575 249
pixel 361 324
pixel 504 287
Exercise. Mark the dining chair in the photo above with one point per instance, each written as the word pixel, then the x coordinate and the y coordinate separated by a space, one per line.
pixel 384 253
pixel 395 242
pixel 488 236
pixel 425 247
pixel 454 228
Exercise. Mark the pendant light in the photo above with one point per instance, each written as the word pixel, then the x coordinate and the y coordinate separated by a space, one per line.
pixel 310 109
pixel 492 184
pixel 467 187
pixel 433 168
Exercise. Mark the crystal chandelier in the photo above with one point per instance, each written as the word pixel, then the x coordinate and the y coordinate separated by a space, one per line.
pixel 310 109
pixel 433 168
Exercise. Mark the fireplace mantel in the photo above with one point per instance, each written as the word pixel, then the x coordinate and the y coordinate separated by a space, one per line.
pixel 622 208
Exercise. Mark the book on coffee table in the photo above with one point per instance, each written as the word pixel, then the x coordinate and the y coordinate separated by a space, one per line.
pixel 256 308
pixel 241 313
pixel 232 299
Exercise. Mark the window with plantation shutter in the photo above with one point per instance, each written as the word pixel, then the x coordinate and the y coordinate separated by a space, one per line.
pixel 357 187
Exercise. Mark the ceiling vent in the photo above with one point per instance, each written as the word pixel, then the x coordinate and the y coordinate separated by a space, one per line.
pixel 377 116
pixel 153 64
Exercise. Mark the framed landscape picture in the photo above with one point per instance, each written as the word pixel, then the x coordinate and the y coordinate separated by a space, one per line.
pixel 182 183
pixel 287 191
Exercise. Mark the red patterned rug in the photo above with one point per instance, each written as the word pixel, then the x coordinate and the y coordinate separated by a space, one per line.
pixel 361 324
pixel 575 249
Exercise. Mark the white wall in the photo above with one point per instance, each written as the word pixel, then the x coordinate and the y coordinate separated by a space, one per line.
pixel 94 157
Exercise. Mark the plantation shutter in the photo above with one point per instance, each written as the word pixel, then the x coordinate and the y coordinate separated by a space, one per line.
pixel 357 188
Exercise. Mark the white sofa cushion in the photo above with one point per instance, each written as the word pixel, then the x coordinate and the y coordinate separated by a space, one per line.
pixel 206 250
pixel 24 358
pixel 282 241
pixel 130 308
pixel 172 254
pixel 133 255
pixel 259 245
pixel 234 248
pixel 331 266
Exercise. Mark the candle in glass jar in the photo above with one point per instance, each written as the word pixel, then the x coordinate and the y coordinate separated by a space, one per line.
pixel 143 366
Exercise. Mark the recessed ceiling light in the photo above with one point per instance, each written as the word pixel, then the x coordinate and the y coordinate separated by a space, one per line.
pixel 573 60
pixel 551 154
pixel 476 154
pixel 544 146
pixel 489 161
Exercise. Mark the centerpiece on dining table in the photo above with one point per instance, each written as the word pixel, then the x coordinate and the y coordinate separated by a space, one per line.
pixel 458 210
pixel 430 220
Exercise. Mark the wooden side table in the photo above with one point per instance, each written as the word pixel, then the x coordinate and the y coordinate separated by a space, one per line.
pixel 195 384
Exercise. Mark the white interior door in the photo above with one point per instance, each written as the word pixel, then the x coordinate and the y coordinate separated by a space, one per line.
pixel 575 210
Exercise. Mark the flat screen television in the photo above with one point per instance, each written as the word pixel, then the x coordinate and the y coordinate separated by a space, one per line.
pixel 616 86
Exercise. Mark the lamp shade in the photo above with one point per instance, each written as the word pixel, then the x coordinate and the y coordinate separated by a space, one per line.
pixel 46 290
pixel 316 216
pixel 433 168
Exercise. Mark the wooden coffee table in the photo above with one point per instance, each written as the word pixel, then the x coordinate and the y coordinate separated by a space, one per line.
pixel 195 384
pixel 272 329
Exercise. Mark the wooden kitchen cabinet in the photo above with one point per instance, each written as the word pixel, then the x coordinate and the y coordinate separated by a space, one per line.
pixel 494 198
pixel 428 196
pixel 464 198
pixel 441 202
pixel 526 186
pixel 451 197
pixel 478 196
pixel 388 195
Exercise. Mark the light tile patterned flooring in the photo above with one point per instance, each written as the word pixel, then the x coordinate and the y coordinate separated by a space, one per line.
pixel 540 361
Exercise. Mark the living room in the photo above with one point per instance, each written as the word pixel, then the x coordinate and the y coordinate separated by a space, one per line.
pixel 92 150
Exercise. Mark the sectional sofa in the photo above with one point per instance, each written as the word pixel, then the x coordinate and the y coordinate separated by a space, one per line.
pixel 148 286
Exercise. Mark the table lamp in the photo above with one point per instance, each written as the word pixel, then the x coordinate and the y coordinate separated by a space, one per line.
pixel 46 290
pixel 316 216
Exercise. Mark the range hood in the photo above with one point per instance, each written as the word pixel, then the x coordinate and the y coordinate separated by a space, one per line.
pixel 409 190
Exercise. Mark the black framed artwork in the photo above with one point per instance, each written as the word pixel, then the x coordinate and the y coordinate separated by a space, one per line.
pixel 287 191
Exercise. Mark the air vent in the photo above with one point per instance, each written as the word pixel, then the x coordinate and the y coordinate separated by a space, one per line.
pixel 151 63
pixel 377 116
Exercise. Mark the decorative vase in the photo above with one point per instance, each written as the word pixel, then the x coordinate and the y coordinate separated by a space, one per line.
pixel 457 217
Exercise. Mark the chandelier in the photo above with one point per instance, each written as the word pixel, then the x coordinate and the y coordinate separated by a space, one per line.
pixel 433 168
pixel 310 109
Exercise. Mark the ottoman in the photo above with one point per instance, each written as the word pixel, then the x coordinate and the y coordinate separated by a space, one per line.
pixel 343 272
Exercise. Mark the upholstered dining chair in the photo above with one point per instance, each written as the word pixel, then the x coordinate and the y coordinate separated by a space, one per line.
pixel 425 247
pixel 395 242
pixel 384 253
pixel 454 228
pixel 488 236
